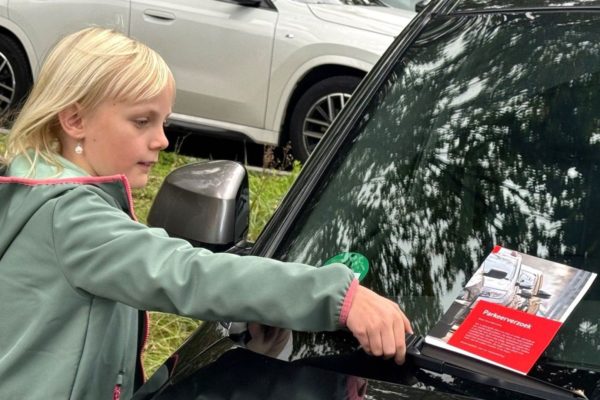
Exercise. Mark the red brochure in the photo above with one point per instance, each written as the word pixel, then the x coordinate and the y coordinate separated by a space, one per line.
pixel 511 309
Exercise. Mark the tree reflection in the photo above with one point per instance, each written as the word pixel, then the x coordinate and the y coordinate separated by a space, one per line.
pixel 487 133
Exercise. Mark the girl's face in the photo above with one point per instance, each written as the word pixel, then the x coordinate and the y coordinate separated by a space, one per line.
pixel 124 138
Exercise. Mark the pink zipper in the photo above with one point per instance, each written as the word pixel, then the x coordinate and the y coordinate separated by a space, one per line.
pixel 143 343
pixel 117 389
pixel 117 392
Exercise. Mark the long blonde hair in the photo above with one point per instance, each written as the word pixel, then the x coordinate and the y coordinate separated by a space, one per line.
pixel 86 67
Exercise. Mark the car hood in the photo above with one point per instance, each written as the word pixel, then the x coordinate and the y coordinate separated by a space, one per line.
pixel 242 374
pixel 211 366
pixel 384 20
pixel 501 284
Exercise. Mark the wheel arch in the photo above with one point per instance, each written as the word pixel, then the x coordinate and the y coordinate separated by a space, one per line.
pixel 11 30
pixel 19 75
pixel 311 77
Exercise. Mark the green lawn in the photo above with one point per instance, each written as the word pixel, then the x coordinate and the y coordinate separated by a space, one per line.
pixel 267 187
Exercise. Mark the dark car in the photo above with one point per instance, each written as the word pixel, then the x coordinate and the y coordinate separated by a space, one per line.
pixel 479 126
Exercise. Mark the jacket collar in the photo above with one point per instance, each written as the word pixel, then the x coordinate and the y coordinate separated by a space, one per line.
pixel 21 167
pixel 20 172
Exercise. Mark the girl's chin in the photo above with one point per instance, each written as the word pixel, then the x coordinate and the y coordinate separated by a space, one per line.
pixel 137 182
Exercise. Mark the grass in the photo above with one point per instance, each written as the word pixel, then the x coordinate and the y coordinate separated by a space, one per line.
pixel 267 187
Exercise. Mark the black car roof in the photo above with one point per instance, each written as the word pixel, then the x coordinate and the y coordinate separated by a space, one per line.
pixel 491 5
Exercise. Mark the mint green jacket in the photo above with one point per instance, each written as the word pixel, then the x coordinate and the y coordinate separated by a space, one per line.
pixel 75 268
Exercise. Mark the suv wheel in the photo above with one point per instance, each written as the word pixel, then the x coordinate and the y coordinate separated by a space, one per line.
pixel 315 111
pixel 15 79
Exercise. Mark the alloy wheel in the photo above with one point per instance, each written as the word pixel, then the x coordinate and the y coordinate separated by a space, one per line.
pixel 320 116
pixel 7 84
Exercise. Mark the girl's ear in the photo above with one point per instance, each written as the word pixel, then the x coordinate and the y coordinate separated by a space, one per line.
pixel 71 121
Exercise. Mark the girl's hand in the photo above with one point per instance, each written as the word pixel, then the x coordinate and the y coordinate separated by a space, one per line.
pixel 267 340
pixel 378 324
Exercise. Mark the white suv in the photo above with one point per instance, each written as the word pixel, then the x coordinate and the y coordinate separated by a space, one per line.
pixel 270 71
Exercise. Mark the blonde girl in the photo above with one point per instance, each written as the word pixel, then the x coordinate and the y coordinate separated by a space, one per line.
pixel 75 266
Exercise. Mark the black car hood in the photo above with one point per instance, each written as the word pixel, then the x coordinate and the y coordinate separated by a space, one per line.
pixel 242 374
pixel 212 366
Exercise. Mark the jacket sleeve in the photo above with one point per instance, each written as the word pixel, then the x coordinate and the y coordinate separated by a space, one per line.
pixel 104 253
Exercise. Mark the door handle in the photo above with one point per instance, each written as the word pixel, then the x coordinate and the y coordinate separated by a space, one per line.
pixel 159 15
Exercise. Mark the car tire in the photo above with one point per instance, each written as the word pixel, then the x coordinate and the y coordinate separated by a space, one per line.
pixel 15 77
pixel 315 111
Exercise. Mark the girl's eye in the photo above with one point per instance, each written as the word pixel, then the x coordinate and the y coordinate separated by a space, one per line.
pixel 140 123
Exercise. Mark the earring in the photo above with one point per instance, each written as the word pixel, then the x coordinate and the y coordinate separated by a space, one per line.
pixel 79 148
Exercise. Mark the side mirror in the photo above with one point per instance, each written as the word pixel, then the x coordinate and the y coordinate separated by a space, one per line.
pixel 525 286
pixel 526 294
pixel 205 203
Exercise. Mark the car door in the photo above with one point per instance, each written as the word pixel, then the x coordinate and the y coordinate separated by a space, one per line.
pixel 219 52
pixel 46 22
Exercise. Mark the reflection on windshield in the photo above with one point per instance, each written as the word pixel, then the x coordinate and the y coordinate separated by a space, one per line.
pixel 488 133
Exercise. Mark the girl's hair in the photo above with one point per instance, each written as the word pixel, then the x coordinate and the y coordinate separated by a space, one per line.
pixel 86 67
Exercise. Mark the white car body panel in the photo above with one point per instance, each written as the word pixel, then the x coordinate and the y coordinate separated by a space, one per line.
pixel 236 66
pixel 256 134
pixel 45 26
pixel 215 79
pixel 380 20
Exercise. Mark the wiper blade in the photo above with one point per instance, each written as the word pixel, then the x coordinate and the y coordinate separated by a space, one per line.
pixel 435 359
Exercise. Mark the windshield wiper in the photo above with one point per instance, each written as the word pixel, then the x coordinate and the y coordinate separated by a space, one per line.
pixel 438 360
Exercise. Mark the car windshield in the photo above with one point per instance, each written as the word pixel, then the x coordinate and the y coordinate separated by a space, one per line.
pixel 496 273
pixel 486 132
pixel 499 267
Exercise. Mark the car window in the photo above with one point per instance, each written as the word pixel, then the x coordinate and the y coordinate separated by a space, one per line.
pixel 486 132
pixel 527 279
pixel 503 266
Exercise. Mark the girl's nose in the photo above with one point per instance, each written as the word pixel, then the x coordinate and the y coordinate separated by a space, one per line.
pixel 160 142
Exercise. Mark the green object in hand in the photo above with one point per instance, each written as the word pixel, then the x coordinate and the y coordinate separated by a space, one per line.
pixel 355 261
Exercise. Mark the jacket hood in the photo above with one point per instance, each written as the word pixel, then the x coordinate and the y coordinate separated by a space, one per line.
pixel 21 198
pixel 384 20
pixel 19 202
